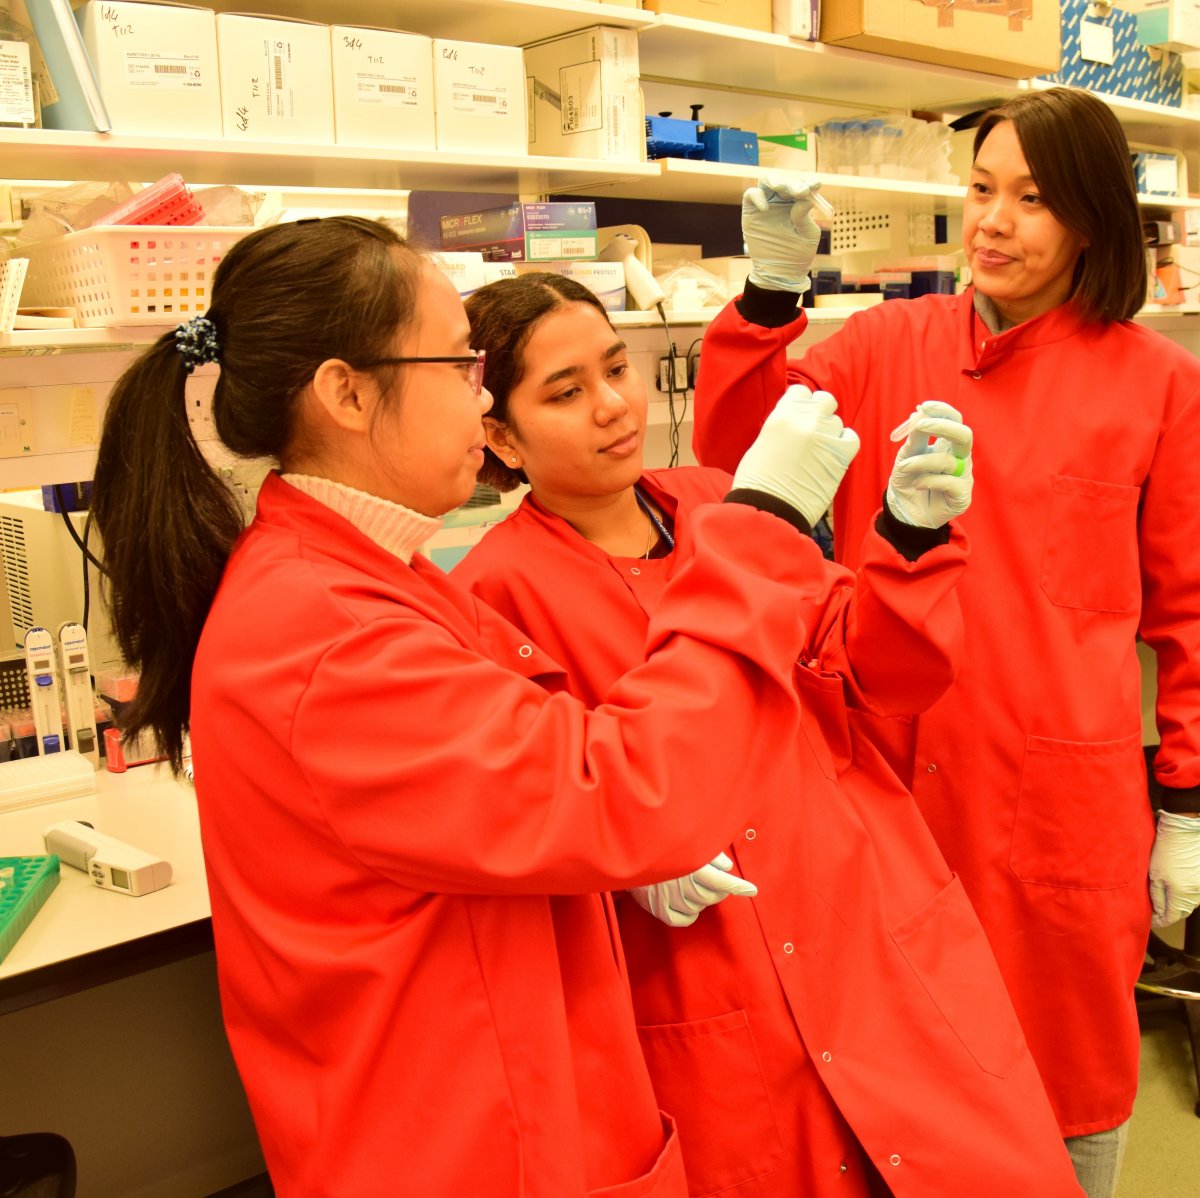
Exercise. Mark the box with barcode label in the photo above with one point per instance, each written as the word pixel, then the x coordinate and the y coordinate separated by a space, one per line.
pixel 156 65
pixel 542 231
pixel 276 79
pixel 479 98
pixel 382 88
pixel 582 94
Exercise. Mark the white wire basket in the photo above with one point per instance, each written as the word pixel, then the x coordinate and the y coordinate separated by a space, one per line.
pixel 128 274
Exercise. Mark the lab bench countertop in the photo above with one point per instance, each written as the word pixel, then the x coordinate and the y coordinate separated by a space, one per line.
pixel 83 935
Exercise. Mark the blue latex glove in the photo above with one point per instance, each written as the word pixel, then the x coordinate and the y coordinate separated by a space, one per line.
pixel 780 234
pixel 801 453
pixel 1175 868
pixel 678 903
pixel 931 483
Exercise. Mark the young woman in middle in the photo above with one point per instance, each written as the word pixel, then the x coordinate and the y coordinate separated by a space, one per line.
pixel 845 1031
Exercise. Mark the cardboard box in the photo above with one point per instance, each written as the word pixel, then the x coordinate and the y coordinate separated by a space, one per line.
pixel 750 14
pixel 156 65
pixel 1124 66
pixel 605 280
pixel 479 98
pixel 1014 38
pixel 382 88
pixel 800 19
pixel 583 97
pixel 463 268
pixel 276 79
pixel 537 232
pixel 1170 24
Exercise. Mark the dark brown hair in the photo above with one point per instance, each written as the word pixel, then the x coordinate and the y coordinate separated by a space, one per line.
pixel 503 315
pixel 1079 158
pixel 284 299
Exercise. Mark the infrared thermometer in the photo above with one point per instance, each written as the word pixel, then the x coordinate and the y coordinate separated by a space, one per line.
pixel 80 703
pixel 112 864
pixel 43 691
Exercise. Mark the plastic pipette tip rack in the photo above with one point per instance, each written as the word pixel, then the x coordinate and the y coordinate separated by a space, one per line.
pixel 25 889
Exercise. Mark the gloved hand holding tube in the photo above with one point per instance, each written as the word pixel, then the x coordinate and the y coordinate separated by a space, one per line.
pixel 1175 868
pixel 780 234
pixel 801 453
pixel 678 903
pixel 931 483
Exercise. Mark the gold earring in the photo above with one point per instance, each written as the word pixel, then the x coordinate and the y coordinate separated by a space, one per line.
pixel 512 461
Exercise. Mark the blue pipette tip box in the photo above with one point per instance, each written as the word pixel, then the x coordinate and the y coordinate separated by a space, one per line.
pixel 24 892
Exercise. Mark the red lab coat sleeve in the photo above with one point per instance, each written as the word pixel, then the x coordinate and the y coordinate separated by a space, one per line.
pixel 491 785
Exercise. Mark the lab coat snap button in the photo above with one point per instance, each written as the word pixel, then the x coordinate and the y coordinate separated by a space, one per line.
pixel 976 375
pixel 789 947
pixel 932 767
pixel 525 651
pixel 828 1056
pixel 842 1167
pixel 750 833
pixel 894 1159
pixel 634 570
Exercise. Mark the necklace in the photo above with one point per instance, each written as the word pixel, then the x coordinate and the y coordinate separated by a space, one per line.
pixel 658 530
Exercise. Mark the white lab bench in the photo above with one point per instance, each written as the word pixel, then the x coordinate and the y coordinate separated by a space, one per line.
pixel 110 1025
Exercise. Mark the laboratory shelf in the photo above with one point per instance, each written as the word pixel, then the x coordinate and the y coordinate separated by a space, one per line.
pixel 680 50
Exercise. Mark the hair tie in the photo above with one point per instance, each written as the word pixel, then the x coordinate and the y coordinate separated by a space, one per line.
pixel 196 340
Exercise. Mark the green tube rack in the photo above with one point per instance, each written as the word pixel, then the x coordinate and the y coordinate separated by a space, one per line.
pixel 23 893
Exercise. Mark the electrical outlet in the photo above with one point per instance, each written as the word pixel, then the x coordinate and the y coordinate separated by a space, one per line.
pixel 672 373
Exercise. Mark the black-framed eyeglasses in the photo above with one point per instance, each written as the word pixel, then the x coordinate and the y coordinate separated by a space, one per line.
pixel 475 359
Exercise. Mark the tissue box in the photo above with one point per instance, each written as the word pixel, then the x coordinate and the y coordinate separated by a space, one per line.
pixel 382 88
pixel 582 95
pixel 533 232
pixel 156 65
pixel 605 280
pixel 1131 73
pixel 276 79
pixel 1012 38
pixel 479 98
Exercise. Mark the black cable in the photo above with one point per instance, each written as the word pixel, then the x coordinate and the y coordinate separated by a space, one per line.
pixel 62 511
pixel 673 419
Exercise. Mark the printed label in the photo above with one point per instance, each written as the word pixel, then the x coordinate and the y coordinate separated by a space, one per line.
pixel 579 86
pixel 172 71
pixel 280 60
pixel 16 84
pixel 372 89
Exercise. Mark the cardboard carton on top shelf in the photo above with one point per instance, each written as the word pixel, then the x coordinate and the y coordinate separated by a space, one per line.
pixel 276 79
pixel 156 65
pixel 1014 38
pixel 382 88
pixel 479 98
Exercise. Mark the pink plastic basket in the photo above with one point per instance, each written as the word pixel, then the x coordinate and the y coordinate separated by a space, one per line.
pixel 128 274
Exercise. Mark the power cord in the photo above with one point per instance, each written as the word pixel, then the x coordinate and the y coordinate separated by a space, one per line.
pixel 675 418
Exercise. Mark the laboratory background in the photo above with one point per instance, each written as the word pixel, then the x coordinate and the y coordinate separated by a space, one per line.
pixel 610 141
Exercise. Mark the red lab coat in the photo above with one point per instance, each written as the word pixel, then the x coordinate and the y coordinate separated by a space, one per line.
pixel 855 999
pixel 387 798
pixel 1085 533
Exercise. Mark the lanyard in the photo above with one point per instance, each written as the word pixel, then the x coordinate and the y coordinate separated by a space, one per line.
pixel 659 526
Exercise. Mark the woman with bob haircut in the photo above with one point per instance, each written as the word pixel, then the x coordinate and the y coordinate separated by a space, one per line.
pixel 1086 538
pixel 408 824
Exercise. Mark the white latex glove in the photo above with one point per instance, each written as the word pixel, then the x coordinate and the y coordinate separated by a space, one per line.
pixel 1175 868
pixel 678 903
pixel 801 453
pixel 931 484
pixel 780 234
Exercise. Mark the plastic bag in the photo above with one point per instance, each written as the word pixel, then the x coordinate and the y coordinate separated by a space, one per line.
pixel 689 288
pixel 66 209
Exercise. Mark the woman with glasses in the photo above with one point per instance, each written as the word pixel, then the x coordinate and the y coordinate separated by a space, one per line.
pixel 408 823
pixel 834 1024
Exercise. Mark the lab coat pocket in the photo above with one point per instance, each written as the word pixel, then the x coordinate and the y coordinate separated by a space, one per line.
pixel 1082 813
pixel 946 948
pixel 1090 558
pixel 707 1076
pixel 664 1179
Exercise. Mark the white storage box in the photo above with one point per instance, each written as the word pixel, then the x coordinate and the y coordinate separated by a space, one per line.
pixel 479 98
pixel 128 274
pixel 156 65
pixel 276 79
pixel 464 268
pixel 583 98
pixel 382 88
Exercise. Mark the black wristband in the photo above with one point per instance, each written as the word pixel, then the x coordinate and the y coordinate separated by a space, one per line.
pixel 908 540
pixel 766 308
pixel 1180 801
pixel 766 502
